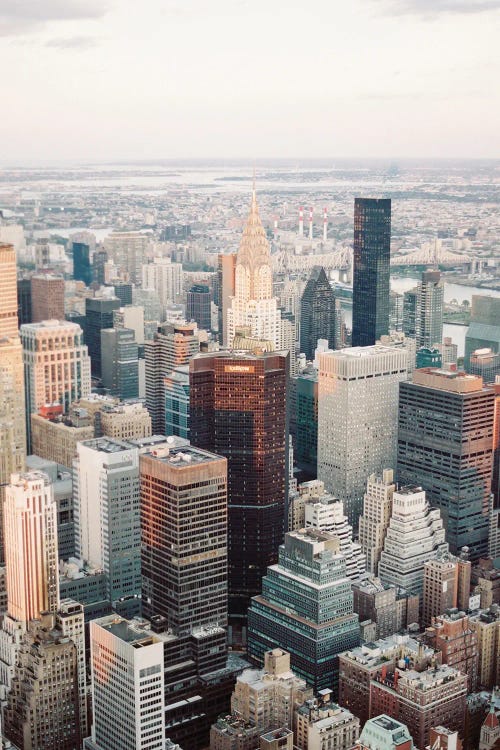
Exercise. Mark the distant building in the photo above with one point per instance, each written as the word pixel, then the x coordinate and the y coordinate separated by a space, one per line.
pixel 429 312
pixel 317 316
pixel 47 297
pixel 483 331
pixel 306 420
pixel 24 301
pixel 120 362
pixel 128 250
pixel 177 402
pixel 449 351
pixel 198 306
pixel 55 439
pixel 98 316
pixel 427 357
pixel 129 421
pixel 225 290
pixel 371 271
pixel 82 270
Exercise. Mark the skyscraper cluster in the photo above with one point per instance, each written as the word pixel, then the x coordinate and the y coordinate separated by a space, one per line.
pixel 265 538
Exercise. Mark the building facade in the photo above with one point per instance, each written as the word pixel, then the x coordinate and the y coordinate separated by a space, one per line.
pixel 47 297
pixel 317 313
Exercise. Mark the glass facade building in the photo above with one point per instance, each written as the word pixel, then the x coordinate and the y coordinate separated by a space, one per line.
pixel 372 256
pixel 120 362
pixel 306 607
pixel 306 421
pixel 177 402
pixel 317 313
pixel 98 315
pixel 429 312
pixel 198 306
pixel 82 270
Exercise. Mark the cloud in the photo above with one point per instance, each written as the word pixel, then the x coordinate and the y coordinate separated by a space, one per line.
pixel 24 16
pixel 72 42
pixel 432 8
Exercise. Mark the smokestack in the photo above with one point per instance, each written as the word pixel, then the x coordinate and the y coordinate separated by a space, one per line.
pixel 301 222
pixel 275 229
pixel 311 224
pixel 325 225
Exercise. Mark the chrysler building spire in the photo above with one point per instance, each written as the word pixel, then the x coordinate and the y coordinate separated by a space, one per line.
pixel 253 265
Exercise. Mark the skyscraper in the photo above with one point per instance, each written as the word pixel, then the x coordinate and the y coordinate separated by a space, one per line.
pixel 429 312
pixel 253 305
pixel 357 418
pixel 317 313
pixel 373 524
pixel 127 664
pixel 445 444
pixel 12 403
pixel 225 291
pixel 198 306
pixel 56 365
pixel 174 344
pixel 238 409
pixel 98 315
pixel 372 257
pixel 128 250
pixel 82 270
pixel 31 551
pixel 178 553
pixel 306 607
pixel 165 278
pixel 306 420
pixel 484 329
pixel 120 362
pixel 47 297
pixel 415 535
pixel 177 402
pixel 107 524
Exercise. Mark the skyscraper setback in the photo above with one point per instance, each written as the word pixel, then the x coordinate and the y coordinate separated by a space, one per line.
pixel 372 257
pixel 238 410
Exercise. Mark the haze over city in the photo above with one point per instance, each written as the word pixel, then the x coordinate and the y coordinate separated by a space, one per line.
pixel 103 80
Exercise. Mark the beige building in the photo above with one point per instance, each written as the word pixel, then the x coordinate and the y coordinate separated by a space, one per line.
pixel 268 698
pixel 12 405
pixel 440 587
pixel 322 725
pixel 126 421
pixel 43 707
pixel 373 524
pixel 487 627
pixel 56 440
pixel 30 517
pixel 56 364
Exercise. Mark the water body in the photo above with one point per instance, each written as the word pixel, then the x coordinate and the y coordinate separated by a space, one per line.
pixel 456 292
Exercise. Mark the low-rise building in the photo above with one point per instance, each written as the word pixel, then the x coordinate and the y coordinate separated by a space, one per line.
pixel 384 733
pixel 455 637
pixel 322 724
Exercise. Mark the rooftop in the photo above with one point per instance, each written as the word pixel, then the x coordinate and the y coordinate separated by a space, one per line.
pixel 134 632
pixel 107 445
pixel 178 453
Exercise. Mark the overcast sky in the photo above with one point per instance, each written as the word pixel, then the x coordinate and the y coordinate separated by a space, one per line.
pixel 118 79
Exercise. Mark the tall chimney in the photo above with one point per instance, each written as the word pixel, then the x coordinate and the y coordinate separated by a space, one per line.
pixel 325 225
pixel 311 224
pixel 301 222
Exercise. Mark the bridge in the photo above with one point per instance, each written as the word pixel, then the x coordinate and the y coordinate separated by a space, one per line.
pixel 430 254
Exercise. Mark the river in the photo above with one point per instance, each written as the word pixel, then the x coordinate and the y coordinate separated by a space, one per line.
pixel 456 292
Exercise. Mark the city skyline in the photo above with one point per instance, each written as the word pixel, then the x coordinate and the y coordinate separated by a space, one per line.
pixel 197 83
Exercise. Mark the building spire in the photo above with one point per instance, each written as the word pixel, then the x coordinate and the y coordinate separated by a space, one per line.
pixel 254 256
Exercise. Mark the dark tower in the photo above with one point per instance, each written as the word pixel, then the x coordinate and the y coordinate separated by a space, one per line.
pixel 82 270
pixel 317 313
pixel 98 315
pixel 238 410
pixel 198 306
pixel 372 256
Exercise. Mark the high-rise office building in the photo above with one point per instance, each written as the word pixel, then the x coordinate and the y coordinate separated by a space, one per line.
pixel 486 623
pixel 449 351
pixel 415 535
pixel 484 330
pixel 120 362
pixel 177 402
pixel 373 524
pixel 177 552
pixel 31 551
pixel 165 278
pixel 82 270
pixel 98 315
pixel 99 267
pixel 56 365
pixel 306 420
pixel 445 444
pixel 131 316
pixel 128 250
pixel 429 311
pixel 317 313
pixel 107 523
pixel 238 409
pixel 371 282
pixel 253 305
pixel 24 312
pixel 12 402
pixel 410 313
pixel 174 344
pixel 198 306
pixel 440 589
pixel 225 291
pixel 47 297
pixel 306 607
pixel 357 418
pixel 123 291
pixel 127 665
